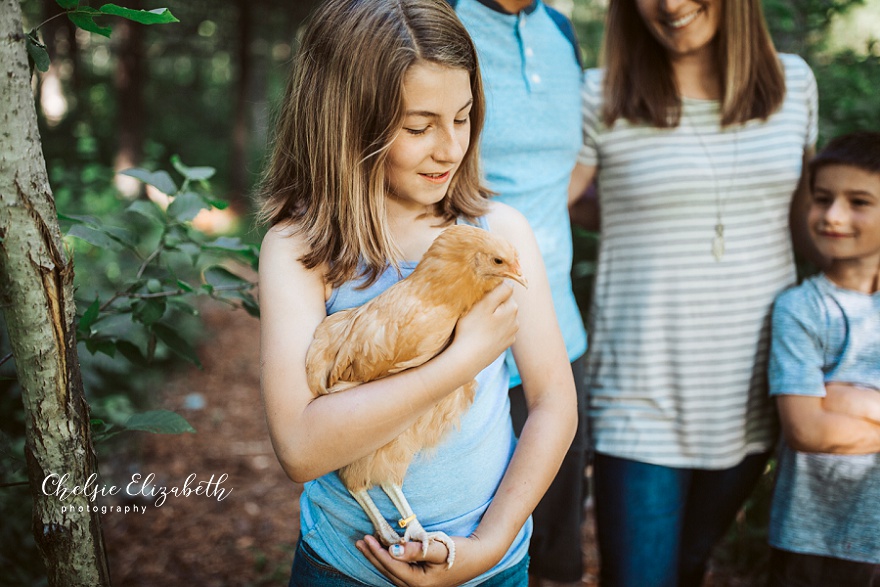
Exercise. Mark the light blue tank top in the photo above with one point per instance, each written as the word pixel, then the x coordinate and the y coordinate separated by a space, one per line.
pixel 448 489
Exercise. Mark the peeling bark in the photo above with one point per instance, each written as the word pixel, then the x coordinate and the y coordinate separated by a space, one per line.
pixel 36 293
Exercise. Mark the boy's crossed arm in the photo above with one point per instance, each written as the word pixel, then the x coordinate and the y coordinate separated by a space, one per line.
pixel 854 400
pixel 845 421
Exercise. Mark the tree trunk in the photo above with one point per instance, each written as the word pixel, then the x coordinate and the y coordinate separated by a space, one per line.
pixel 36 292
pixel 130 76
pixel 238 163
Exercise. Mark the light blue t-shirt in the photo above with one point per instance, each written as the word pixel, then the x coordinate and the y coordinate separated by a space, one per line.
pixel 825 504
pixel 532 136
pixel 449 489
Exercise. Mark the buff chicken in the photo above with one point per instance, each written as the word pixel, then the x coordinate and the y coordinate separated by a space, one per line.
pixel 405 326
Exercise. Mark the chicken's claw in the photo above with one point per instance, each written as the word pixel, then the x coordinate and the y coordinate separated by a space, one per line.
pixel 416 533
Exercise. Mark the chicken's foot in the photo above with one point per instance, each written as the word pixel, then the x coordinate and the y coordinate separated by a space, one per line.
pixel 414 530
pixel 386 533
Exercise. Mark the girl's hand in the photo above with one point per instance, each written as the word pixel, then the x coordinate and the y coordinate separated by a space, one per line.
pixel 411 569
pixel 488 329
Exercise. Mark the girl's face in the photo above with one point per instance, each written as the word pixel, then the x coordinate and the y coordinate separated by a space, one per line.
pixel 435 136
pixel 683 27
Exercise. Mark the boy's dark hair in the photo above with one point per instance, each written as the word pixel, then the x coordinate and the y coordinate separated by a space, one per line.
pixel 856 149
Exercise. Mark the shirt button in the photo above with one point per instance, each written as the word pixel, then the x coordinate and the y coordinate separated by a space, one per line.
pixel 536 78
pixel 529 52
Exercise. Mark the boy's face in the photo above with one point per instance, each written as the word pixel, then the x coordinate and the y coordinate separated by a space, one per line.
pixel 844 215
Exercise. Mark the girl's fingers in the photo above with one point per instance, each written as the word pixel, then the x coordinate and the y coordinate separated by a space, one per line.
pixel 411 552
pixel 379 558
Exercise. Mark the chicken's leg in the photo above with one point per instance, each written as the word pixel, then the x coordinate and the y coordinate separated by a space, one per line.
pixel 386 533
pixel 414 530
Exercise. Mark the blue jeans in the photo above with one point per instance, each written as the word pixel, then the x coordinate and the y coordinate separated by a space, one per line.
pixel 656 526
pixel 310 570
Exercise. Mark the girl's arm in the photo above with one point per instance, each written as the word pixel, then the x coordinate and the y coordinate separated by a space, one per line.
pixel 809 426
pixel 852 400
pixel 549 429
pixel 313 436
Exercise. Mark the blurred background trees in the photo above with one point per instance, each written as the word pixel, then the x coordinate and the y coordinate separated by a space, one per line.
pixel 204 89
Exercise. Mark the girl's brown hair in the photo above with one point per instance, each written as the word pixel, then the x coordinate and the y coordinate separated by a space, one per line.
pixel 639 85
pixel 342 110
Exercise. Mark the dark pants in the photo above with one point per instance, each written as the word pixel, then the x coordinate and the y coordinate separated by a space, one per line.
pixel 792 569
pixel 555 549
pixel 656 526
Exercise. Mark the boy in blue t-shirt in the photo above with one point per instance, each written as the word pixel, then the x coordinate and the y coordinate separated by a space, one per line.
pixel 825 376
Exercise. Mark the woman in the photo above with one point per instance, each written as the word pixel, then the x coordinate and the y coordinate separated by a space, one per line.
pixel 696 131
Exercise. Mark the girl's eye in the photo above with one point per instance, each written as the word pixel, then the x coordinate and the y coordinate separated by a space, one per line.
pixel 416 131
pixel 461 121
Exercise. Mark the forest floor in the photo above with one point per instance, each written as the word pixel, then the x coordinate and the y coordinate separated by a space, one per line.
pixel 246 536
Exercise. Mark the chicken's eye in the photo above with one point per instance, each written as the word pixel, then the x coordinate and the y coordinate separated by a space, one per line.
pixel 497 261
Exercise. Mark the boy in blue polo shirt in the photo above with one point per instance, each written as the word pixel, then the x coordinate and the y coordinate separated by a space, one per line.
pixel 825 375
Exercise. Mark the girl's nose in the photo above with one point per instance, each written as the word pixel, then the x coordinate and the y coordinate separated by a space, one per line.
pixel 447 149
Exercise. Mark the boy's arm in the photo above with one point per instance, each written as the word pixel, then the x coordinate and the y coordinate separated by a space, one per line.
pixel 852 400
pixel 809 426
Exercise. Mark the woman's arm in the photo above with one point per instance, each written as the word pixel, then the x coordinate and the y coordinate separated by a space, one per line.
pixel 583 201
pixel 797 218
pixel 549 429
pixel 852 400
pixel 313 436
pixel 809 426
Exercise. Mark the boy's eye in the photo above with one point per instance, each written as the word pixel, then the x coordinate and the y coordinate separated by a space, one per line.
pixel 861 202
pixel 461 120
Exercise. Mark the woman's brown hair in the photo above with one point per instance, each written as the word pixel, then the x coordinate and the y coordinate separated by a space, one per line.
pixel 639 85
pixel 342 110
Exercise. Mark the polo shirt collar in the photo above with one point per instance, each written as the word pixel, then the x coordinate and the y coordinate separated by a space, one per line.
pixel 493 5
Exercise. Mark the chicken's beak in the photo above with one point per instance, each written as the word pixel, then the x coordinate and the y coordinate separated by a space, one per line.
pixel 515 274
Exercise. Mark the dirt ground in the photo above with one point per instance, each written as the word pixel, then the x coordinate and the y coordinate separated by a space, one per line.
pixel 246 536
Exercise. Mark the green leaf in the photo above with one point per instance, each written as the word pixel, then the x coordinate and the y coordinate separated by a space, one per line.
pixel 67 4
pixel 185 206
pixel 250 305
pixel 94 237
pixel 158 179
pixel 101 345
pixel 192 173
pixel 157 16
pixel 147 209
pixel 219 204
pixel 184 286
pixel 79 219
pixel 130 351
pixel 37 52
pixel 217 276
pixel 87 23
pixel 159 422
pixel 148 311
pixel 89 316
pixel 177 344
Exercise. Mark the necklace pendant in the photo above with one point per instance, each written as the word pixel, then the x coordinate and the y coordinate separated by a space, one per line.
pixel 718 242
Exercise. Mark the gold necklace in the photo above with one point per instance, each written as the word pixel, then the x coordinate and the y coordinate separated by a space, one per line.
pixel 720 199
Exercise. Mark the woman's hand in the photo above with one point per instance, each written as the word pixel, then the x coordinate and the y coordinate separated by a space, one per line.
pixel 488 329
pixel 410 568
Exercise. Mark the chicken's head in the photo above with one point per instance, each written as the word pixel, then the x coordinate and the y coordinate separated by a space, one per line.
pixel 490 257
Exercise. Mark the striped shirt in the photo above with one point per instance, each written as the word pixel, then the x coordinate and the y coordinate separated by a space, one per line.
pixel 678 339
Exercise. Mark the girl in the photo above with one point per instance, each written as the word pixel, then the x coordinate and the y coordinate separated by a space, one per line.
pixel 375 155
pixel 696 130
